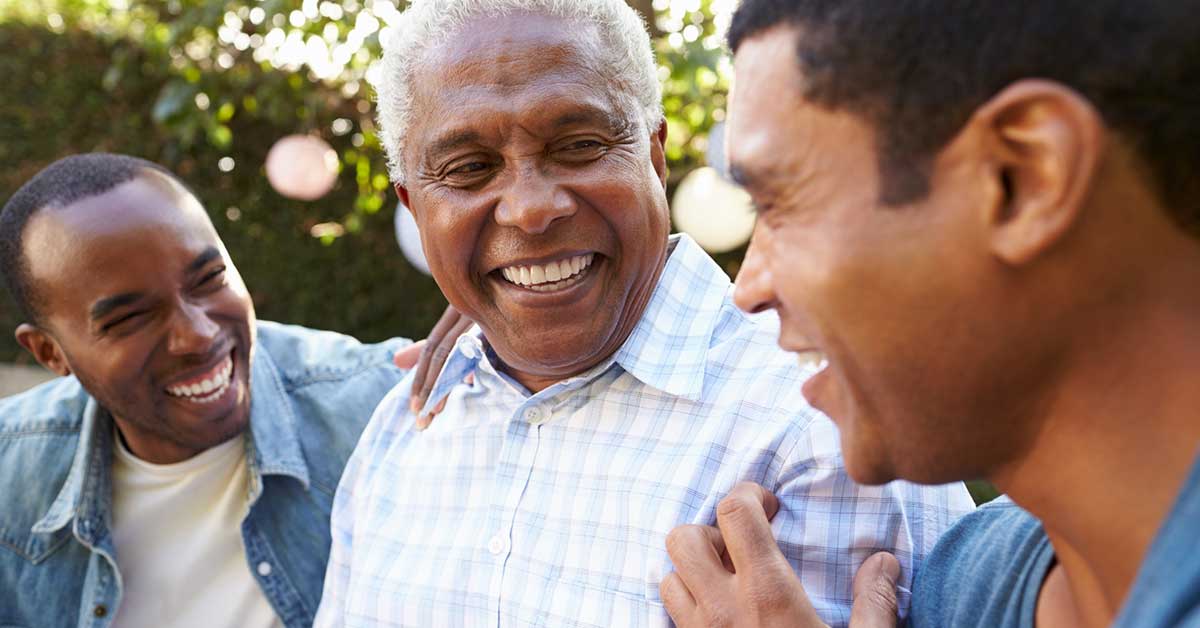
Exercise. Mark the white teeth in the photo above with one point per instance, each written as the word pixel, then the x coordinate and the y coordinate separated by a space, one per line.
pixel 207 390
pixel 546 278
pixel 812 358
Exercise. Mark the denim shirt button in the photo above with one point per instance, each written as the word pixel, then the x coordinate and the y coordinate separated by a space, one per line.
pixel 100 610
pixel 264 569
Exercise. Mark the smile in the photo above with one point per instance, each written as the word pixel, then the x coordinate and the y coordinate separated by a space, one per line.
pixel 812 358
pixel 549 277
pixel 206 387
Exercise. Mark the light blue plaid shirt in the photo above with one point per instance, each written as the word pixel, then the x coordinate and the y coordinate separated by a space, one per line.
pixel 552 509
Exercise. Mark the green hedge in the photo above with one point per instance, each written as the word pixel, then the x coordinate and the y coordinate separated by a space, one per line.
pixel 60 97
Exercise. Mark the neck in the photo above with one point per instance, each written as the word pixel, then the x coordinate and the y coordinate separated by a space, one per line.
pixel 1119 437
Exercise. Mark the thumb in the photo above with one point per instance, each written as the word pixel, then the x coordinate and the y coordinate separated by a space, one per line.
pixel 407 357
pixel 875 604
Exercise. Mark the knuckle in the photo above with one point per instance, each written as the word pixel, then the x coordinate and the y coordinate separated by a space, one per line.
pixel 882 596
pixel 680 540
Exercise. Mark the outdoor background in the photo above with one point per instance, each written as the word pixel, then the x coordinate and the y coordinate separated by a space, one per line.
pixel 207 87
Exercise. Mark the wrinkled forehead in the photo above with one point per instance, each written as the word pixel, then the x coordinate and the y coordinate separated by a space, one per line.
pixel 506 51
pixel 520 66
pixel 141 226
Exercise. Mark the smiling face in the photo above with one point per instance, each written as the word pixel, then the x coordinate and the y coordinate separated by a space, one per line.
pixel 926 365
pixel 539 193
pixel 138 298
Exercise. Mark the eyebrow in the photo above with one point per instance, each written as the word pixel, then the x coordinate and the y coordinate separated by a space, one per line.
pixel 612 121
pixel 107 305
pixel 202 260
pixel 453 140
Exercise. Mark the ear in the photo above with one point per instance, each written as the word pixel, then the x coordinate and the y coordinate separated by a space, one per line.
pixel 658 140
pixel 402 192
pixel 44 348
pixel 1046 141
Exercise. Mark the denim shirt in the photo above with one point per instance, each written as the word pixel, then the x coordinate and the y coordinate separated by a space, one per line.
pixel 311 396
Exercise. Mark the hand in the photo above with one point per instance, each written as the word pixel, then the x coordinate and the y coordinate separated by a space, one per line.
pixel 735 575
pixel 427 358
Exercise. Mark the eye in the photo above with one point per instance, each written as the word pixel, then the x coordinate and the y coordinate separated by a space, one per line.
pixel 582 145
pixel 474 167
pixel 126 318
pixel 213 278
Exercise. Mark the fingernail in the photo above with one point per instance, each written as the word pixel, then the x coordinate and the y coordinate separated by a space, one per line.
pixel 424 422
pixel 413 406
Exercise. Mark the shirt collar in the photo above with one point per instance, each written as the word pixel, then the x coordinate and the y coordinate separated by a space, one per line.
pixel 273 443
pixel 668 348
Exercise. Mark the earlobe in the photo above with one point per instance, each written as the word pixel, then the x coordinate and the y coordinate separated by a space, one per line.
pixel 43 348
pixel 1047 142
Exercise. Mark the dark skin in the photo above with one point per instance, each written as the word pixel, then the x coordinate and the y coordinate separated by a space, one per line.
pixel 1041 253
pixel 541 163
pixel 137 297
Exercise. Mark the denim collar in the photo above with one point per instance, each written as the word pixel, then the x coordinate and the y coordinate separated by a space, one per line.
pixel 668 348
pixel 272 447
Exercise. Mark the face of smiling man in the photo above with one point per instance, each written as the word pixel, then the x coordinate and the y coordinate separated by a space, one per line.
pixel 539 193
pixel 924 333
pixel 138 299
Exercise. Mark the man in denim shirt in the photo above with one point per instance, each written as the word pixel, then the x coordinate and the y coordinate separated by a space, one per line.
pixel 183 474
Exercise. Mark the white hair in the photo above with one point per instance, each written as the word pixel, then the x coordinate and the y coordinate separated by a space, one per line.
pixel 626 57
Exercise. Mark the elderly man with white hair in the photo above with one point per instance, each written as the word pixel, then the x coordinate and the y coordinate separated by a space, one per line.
pixel 617 393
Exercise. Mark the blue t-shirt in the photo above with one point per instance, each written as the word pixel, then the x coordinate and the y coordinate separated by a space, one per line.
pixel 988 570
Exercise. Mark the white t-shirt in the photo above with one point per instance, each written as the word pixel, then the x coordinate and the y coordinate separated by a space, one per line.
pixel 177 532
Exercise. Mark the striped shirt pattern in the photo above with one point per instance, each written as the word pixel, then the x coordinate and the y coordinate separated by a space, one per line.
pixel 552 509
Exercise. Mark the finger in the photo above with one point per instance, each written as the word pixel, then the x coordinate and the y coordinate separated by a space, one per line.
pixel 696 553
pixel 431 351
pixel 875 603
pixel 743 520
pixel 442 353
pixel 426 420
pixel 407 357
pixel 680 604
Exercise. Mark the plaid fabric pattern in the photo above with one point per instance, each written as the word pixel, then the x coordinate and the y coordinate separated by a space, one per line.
pixel 552 509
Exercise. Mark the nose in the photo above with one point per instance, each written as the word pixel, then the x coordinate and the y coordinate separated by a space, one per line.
pixel 192 331
pixel 533 202
pixel 754 289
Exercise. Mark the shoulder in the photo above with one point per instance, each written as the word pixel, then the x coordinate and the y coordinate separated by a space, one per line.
pixel 305 356
pixel 39 432
pixel 54 406
pixel 985 570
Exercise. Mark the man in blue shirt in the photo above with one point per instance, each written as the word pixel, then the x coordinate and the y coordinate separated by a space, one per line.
pixel 984 215
pixel 618 392
pixel 182 473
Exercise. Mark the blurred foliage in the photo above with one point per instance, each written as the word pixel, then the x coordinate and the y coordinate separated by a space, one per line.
pixel 206 87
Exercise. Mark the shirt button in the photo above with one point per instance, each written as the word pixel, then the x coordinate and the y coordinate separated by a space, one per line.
pixel 535 415
pixel 100 610
pixel 497 545
pixel 470 350
pixel 264 569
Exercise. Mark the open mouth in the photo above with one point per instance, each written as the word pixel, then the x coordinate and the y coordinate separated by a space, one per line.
pixel 206 387
pixel 552 276
pixel 812 358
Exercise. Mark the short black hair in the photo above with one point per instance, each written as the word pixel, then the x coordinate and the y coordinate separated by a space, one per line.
pixel 917 69
pixel 61 183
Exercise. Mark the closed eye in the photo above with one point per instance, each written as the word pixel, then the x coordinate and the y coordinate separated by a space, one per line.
pixel 123 319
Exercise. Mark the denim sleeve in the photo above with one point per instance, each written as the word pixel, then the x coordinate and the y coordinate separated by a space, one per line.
pixel 355 482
